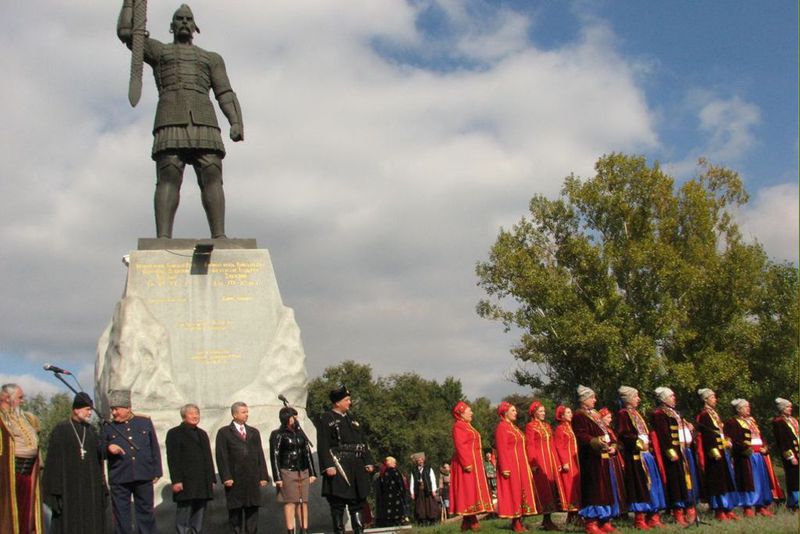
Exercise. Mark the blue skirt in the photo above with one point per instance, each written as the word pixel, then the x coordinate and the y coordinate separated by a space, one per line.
pixel 726 501
pixel 657 499
pixel 604 512
pixel 762 493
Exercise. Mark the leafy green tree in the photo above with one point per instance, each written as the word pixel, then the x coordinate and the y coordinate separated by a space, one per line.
pixel 628 278
pixel 50 411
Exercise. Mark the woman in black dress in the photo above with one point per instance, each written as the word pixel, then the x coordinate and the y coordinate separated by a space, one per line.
pixel 391 498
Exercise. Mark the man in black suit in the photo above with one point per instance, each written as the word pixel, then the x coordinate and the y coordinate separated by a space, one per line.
pixel 191 470
pixel 242 468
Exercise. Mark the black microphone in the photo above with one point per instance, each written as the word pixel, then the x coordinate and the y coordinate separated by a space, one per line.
pixel 59 370
pixel 283 399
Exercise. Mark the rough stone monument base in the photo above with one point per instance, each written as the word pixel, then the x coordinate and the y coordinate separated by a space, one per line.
pixel 202 322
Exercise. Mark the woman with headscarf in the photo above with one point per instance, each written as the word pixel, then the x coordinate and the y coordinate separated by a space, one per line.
pixel 598 487
pixel 617 463
pixel 641 477
pixel 541 454
pixel 785 430
pixel 568 469
pixel 469 491
pixel 390 495
pixel 516 496
pixel 755 478
pixel 292 468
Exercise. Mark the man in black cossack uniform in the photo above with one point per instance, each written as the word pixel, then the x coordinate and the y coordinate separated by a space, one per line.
pixel 345 462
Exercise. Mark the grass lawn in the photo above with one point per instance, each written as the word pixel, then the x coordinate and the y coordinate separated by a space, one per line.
pixel 783 522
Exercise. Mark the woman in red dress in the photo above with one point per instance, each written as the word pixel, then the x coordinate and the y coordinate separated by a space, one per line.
pixel 541 456
pixel 516 496
pixel 569 471
pixel 469 491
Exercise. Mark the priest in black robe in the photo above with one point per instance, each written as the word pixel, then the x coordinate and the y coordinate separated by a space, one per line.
pixel 73 485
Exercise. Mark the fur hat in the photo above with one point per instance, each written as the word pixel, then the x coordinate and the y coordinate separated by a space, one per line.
pixel 705 393
pixel 584 393
pixel 339 393
pixel 663 393
pixel 738 403
pixel 627 392
pixel 119 398
pixel 781 404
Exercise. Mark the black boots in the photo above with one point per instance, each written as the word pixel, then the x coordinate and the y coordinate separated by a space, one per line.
pixel 338 521
pixel 355 522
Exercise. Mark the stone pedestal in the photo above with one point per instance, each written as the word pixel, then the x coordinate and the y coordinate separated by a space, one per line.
pixel 211 338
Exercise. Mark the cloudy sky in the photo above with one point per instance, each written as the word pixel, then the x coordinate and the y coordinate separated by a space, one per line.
pixel 386 142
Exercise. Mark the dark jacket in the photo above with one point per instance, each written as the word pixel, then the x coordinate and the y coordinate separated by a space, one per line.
pixel 189 461
pixel 243 462
pixel 289 450
pixel 142 458
pixel 341 436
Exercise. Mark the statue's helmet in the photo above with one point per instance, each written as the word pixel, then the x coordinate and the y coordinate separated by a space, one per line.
pixel 184 11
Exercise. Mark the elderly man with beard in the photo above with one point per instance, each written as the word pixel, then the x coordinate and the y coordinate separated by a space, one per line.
pixel 74 484
pixel 24 429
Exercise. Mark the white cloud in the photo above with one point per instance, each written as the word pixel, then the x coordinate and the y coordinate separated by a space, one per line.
pixel 771 218
pixel 375 183
pixel 32 385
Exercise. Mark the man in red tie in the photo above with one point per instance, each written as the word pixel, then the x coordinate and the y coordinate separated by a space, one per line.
pixel 242 468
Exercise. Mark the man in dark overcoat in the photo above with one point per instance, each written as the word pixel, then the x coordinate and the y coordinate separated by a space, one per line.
pixel 242 469
pixel 191 470
pixel 345 461
pixel 672 455
pixel 713 451
pixel 74 484
pixel 594 453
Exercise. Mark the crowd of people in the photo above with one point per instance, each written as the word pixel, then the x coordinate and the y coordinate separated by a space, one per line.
pixel 595 465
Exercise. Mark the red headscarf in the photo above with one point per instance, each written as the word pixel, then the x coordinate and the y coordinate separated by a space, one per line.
pixel 503 407
pixel 535 405
pixel 560 412
pixel 458 409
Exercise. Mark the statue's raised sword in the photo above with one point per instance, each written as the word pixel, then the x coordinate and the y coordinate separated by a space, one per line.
pixel 137 50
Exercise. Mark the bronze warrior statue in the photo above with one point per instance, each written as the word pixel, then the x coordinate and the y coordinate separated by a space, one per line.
pixel 186 128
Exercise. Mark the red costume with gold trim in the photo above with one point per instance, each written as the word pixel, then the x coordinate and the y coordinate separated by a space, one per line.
pixel 469 490
pixel 541 455
pixel 516 496
pixel 566 447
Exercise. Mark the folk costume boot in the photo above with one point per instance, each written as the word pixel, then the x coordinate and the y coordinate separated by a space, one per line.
pixel 747 511
pixel 474 526
pixel 606 526
pixel 640 521
pixel 338 521
pixel 680 518
pixel 732 515
pixel 691 514
pixel 654 521
pixel 355 523
pixel 720 515
pixel 547 524
pixel 466 523
pixel 591 527
pixel 764 510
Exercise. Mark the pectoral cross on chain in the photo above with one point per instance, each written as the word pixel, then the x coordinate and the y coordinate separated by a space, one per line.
pixel 83 453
